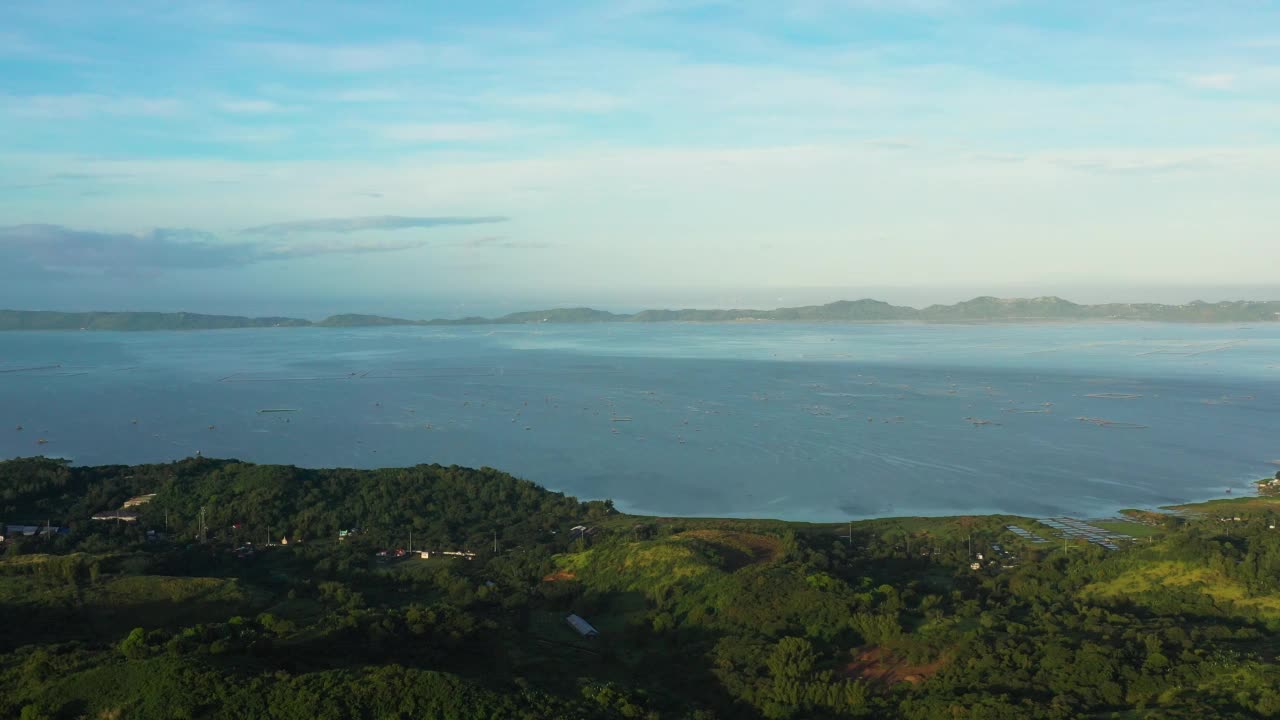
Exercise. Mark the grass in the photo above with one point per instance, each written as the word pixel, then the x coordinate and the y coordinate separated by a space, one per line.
pixel 1128 527
pixel 738 549
pixel 106 610
pixel 1221 505
pixel 1168 573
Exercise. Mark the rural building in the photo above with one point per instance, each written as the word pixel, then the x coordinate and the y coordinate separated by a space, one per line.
pixel 464 554
pixel 139 500
pixel 121 515
pixel 582 626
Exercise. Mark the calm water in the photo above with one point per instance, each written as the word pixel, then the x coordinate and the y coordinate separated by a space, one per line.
pixel 807 422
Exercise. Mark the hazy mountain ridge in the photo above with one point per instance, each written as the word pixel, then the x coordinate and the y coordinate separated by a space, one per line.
pixel 50 320
pixel 979 309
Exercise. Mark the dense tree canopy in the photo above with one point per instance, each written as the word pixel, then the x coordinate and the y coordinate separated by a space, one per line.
pixel 697 618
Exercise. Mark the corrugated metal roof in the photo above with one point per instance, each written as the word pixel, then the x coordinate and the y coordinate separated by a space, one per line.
pixel 582 626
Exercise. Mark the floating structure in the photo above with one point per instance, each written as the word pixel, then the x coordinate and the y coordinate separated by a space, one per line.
pixel 1070 528
pixel 1103 422
pixel 1114 396
pixel 277 410
pixel 1025 534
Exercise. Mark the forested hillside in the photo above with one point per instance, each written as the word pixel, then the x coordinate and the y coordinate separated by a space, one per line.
pixel 198 609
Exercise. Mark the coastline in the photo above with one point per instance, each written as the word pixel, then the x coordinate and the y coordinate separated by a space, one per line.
pixel 981 310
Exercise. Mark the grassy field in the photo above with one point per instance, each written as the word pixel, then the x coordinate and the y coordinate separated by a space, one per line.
pixel 1128 527
pixel 1176 574
pixel 1228 505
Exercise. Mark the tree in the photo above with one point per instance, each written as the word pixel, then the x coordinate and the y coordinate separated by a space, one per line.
pixel 134 647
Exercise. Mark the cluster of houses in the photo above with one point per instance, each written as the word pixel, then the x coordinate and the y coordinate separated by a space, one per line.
pixel 126 513
pixel 426 554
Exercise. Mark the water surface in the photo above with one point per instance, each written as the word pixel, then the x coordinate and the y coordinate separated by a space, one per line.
pixel 805 422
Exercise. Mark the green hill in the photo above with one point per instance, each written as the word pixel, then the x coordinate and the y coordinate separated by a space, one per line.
pixel 356 320
pixel 199 610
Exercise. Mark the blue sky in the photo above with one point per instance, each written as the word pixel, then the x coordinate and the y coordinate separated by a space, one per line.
pixel 641 151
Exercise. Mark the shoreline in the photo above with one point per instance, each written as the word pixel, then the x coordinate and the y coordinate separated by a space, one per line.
pixel 1252 496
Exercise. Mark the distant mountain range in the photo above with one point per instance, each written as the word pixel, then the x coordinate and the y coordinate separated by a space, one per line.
pixel 981 309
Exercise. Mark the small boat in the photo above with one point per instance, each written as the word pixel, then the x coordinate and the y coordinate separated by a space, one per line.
pixel 42 441
pixel 274 410
pixel 621 418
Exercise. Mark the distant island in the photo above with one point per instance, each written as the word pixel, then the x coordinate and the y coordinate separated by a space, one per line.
pixel 980 309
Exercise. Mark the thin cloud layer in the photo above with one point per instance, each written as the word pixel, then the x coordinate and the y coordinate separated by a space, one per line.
pixel 54 248
pixel 497 241
pixel 358 224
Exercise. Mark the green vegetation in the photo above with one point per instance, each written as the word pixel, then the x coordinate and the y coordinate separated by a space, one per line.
pixel 355 320
pixel 190 612
pixel 1130 528
pixel 981 309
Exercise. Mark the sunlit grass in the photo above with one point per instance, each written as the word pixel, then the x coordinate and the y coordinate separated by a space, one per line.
pixel 1168 573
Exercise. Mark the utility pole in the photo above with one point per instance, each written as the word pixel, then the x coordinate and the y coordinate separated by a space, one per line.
pixel 971 545
pixel 495 542
pixel 204 528
pixel 411 540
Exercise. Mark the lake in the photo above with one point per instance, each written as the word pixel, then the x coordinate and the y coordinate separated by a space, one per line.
pixel 794 421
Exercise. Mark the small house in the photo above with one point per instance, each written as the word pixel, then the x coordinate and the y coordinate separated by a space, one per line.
pixel 582 626
pixel 139 500
pixel 121 515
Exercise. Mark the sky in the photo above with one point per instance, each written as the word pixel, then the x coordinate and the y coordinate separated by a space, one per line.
pixel 449 158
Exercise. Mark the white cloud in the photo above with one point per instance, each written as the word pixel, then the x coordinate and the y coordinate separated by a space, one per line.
pixel 582 101
pixel 251 106
pixel 355 58
pixel 249 135
pixel 451 132
pixel 1212 81
pixel 365 95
